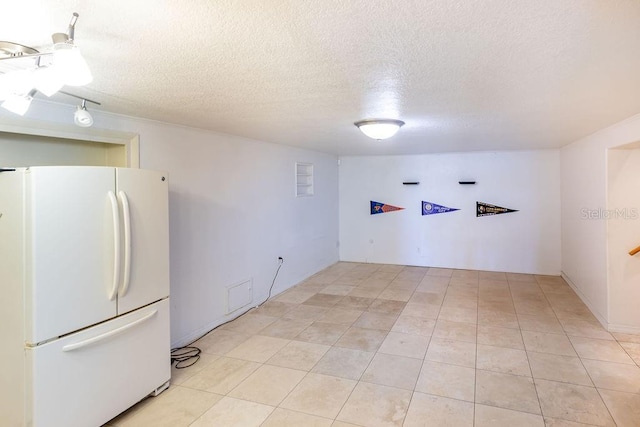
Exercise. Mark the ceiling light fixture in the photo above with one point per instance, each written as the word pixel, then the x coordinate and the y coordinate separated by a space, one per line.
pixel 66 67
pixel 379 128
pixel 82 117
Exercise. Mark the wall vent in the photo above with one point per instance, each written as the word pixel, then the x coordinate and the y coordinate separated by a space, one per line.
pixel 239 295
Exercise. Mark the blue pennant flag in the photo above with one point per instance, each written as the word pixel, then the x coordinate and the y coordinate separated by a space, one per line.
pixel 429 208
pixel 378 208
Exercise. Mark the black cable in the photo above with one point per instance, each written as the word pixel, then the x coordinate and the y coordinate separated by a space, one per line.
pixel 182 355
pixel 272 283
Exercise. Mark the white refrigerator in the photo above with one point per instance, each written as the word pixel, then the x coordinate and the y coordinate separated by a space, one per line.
pixel 84 307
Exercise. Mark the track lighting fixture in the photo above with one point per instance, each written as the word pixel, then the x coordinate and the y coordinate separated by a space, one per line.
pixel 82 117
pixel 64 66
pixel 379 128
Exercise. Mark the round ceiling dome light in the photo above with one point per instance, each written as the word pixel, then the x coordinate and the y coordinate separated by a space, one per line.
pixel 379 128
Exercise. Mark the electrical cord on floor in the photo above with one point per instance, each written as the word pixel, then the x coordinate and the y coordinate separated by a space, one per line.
pixel 189 355
pixel 272 282
pixel 185 356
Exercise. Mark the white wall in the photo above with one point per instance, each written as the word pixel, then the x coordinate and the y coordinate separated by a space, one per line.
pixel 584 239
pixel 232 213
pixel 527 241
pixel 623 231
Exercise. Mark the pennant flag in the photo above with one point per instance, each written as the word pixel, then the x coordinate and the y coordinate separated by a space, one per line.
pixel 485 209
pixel 378 208
pixel 429 208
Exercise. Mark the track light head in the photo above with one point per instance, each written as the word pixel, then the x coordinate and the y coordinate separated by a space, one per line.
pixel 82 117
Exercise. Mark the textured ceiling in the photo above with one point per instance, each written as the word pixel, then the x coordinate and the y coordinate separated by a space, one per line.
pixel 464 75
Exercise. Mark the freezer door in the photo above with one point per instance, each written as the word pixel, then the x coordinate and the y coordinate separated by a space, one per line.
pixel 87 378
pixel 70 249
pixel 144 200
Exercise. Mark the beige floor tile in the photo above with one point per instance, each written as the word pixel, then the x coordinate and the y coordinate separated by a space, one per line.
pixel 322 333
pixel 553 367
pixel 320 395
pixel 176 407
pixel 371 320
pixel 258 348
pixel 424 311
pixel 222 375
pixel 249 323
pixel 581 328
pixel 625 407
pixel 341 315
pixel 286 418
pixel 407 345
pixel 538 323
pixel 354 303
pixel 441 379
pixel 573 403
pixel 404 284
pixel 230 412
pixel 343 363
pixel 519 277
pixel 285 328
pixel 338 289
pixel 627 337
pixel 386 306
pixel 557 422
pixel 455 331
pixel 610 351
pixel 365 292
pixel 295 296
pixel 395 294
pixel 376 405
pixel 323 300
pixel 343 424
pixel 455 314
pixel 414 326
pixel 273 308
pixel 548 343
pixel 362 339
pixel 460 302
pixel 505 360
pixel 440 272
pixel 506 391
pixel 394 371
pixel 435 298
pixel 299 355
pixel 490 416
pixel 465 274
pixel 633 350
pixel 220 341
pixel 497 319
pixel 428 410
pixel 500 337
pixel 492 275
pixel 454 352
pixel 268 385
pixel 305 312
pixel 179 376
pixel 614 376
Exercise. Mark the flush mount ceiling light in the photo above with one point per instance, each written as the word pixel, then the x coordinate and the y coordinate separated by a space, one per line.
pixel 64 66
pixel 379 128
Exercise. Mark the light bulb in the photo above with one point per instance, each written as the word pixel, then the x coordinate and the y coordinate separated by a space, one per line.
pixel 71 65
pixel 18 104
pixel 82 117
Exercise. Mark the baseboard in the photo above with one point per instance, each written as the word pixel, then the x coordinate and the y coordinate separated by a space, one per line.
pixel 602 319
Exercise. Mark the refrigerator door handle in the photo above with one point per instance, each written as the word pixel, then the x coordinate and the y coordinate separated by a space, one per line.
pixel 126 214
pixel 116 244
pixel 102 337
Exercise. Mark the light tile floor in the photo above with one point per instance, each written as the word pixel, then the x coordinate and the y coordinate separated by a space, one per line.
pixel 387 345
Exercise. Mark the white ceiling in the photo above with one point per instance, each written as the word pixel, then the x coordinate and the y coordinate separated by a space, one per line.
pixel 464 75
